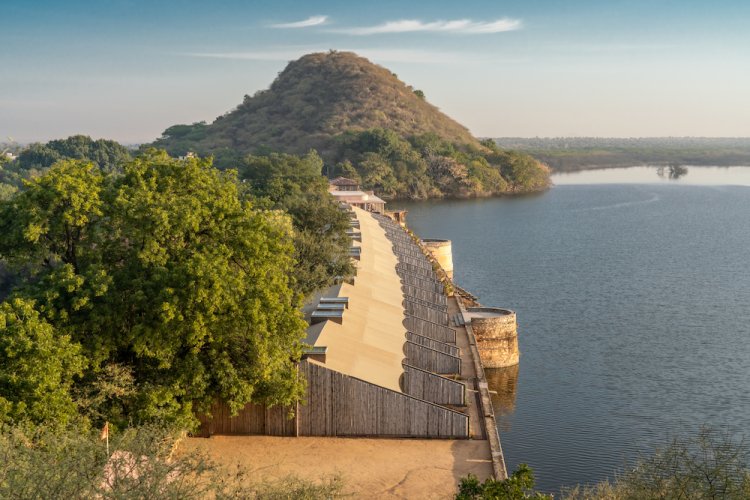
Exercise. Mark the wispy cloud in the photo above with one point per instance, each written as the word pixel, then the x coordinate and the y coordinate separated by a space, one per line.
pixel 375 54
pixel 305 23
pixel 455 26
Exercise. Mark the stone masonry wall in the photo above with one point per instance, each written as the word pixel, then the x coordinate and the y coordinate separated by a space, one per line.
pixel 497 337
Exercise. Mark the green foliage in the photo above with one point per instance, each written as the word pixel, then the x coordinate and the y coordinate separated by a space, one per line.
pixel 108 156
pixel 427 166
pixel 51 218
pixel 182 137
pixel 177 291
pixel 143 463
pixel 518 486
pixel 709 466
pixel 37 366
pixel 295 184
pixel 32 161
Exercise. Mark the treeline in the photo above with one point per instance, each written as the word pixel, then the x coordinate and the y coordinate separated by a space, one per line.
pixel 108 156
pixel 143 290
pixel 398 167
pixel 427 166
pixel 579 153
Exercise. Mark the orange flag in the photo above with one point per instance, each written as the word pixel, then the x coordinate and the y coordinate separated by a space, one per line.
pixel 105 431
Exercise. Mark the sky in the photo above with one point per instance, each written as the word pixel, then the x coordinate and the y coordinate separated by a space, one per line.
pixel 128 69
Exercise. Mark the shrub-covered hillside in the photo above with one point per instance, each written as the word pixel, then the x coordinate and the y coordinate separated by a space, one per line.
pixel 366 123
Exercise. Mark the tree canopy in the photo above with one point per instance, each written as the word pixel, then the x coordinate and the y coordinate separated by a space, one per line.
pixel 37 367
pixel 426 166
pixel 166 273
pixel 108 155
pixel 295 184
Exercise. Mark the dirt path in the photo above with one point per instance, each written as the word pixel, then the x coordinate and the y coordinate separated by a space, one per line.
pixel 370 468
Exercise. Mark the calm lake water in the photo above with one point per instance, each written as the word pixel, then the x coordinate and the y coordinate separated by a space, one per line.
pixel 633 302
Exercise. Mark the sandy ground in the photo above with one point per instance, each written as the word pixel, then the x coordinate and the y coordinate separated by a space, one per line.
pixel 370 468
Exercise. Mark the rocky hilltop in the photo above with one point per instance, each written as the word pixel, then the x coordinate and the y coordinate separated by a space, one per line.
pixel 365 123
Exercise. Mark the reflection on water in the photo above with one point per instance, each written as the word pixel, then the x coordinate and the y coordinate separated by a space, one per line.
pixel 673 174
pixel 503 384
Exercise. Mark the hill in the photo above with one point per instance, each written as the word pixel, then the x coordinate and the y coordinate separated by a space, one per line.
pixel 365 123
pixel 314 99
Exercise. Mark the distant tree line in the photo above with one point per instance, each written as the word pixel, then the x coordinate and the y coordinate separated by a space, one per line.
pixel 427 166
pixel 578 153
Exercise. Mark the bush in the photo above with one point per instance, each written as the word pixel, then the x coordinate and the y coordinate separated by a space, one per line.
pixel 709 466
pixel 519 485
pixel 142 463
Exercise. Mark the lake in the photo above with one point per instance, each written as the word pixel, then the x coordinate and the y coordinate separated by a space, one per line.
pixel 633 300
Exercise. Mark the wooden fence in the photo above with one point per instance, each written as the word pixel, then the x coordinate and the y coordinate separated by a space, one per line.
pixel 421 272
pixel 451 349
pixel 418 293
pixel 426 303
pixel 427 284
pixel 432 360
pixel 431 387
pixel 429 329
pixel 252 419
pixel 340 405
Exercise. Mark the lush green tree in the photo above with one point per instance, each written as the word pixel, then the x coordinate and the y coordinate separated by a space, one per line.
pixel 49 221
pixel 38 156
pixel 426 165
pixel 108 156
pixel 7 191
pixel 295 184
pixel 167 272
pixel 183 138
pixel 37 366
pixel 518 486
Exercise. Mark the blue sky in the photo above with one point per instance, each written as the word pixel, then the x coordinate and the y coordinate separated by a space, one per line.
pixel 128 69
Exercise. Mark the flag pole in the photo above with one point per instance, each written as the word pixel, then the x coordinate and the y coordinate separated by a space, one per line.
pixel 105 434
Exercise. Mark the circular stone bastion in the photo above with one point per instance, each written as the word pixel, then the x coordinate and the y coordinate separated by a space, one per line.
pixel 496 332
pixel 441 250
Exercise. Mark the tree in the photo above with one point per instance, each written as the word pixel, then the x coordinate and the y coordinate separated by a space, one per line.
pixel 108 156
pixel 37 367
pixel 518 486
pixel 53 216
pixel 168 273
pixel 295 184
